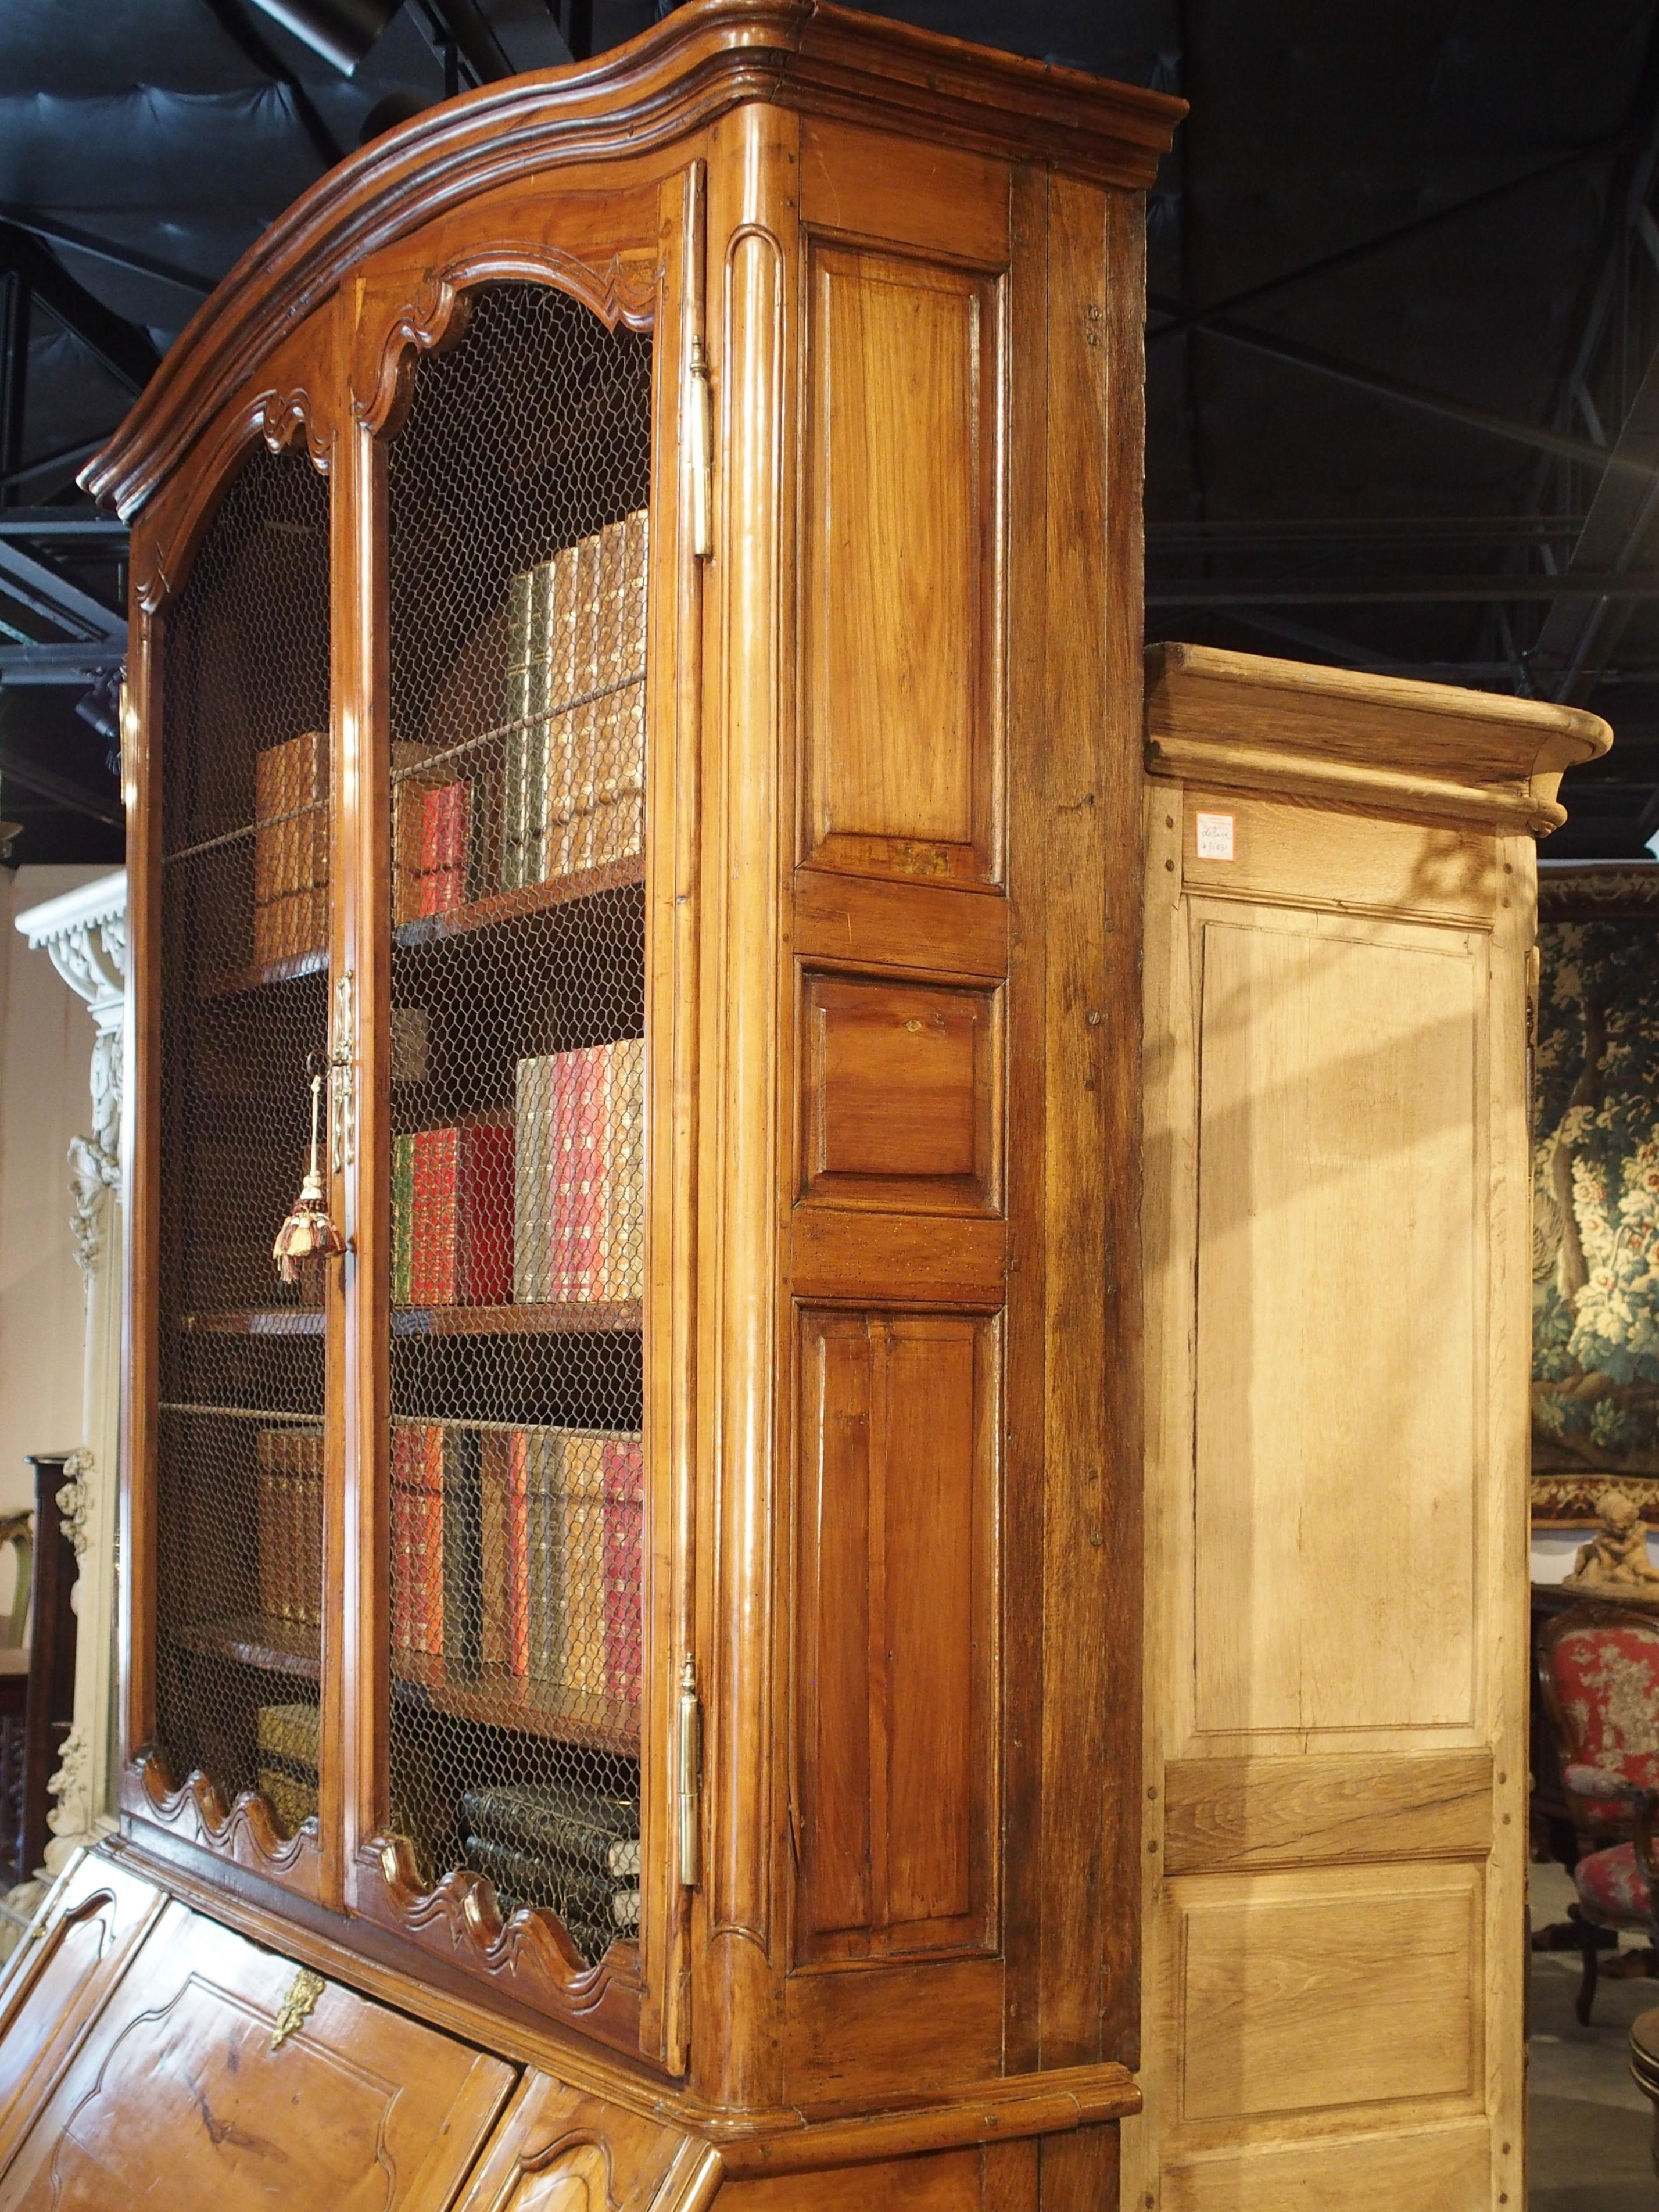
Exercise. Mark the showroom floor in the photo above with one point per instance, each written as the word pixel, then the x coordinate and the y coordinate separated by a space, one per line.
pixel 1588 2125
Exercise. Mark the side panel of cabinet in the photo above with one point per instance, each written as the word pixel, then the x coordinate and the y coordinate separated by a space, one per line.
pixel 963 1070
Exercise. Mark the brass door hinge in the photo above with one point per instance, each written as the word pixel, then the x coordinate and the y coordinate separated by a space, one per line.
pixel 699 398
pixel 691 1764
pixel 343 1072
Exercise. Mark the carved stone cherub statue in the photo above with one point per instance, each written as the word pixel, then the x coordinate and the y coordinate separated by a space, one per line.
pixel 1616 1557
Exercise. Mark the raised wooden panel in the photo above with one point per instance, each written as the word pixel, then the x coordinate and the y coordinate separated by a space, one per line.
pixel 1340 1297
pixel 58 1976
pixel 902 1093
pixel 1428 2170
pixel 1306 1991
pixel 927 1259
pixel 556 2150
pixel 1222 1815
pixel 896 1621
pixel 177 2097
pixel 901 696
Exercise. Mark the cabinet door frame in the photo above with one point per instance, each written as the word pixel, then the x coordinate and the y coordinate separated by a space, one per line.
pixel 289 406
pixel 620 238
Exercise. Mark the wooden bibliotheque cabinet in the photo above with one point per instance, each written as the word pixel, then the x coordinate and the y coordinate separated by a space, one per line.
pixel 635 684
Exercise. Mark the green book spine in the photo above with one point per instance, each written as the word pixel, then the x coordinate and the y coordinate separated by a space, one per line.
pixel 402 1216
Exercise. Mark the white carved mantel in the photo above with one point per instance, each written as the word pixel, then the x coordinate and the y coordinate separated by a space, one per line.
pixel 85 934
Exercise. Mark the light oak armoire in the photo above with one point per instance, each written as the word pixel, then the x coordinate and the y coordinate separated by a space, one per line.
pixel 633 738
pixel 1339 976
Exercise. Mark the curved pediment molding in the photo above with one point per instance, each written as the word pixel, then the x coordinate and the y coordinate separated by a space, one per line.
pixel 703 60
pixel 433 313
pixel 281 419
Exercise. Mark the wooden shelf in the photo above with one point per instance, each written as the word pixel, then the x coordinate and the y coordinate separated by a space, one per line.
pixel 235 980
pixel 620 1318
pixel 510 1701
pixel 502 907
pixel 257 1321
pixel 281 1647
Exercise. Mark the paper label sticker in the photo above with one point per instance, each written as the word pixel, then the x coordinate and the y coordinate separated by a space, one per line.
pixel 1215 837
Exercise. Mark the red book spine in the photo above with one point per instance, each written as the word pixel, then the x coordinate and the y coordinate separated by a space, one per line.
pixel 402 1614
pixel 517 1552
pixel 581 1208
pixel 431 843
pixel 454 827
pixel 431 1564
pixel 484 1214
pixel 623 1477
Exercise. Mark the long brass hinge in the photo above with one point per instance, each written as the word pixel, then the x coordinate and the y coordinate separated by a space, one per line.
pixel 691 1764
pixel 699 408
pixel 343 1072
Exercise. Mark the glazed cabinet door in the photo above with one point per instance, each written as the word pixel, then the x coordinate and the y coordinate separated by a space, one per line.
pixel 515 466
pixel 232 851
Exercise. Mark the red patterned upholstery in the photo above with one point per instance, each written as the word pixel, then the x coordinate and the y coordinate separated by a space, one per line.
pixel 1606 1680
pixel 1611 1885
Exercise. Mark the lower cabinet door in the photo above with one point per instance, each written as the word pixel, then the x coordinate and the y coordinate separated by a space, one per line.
pixel 219 2077
pixel 58 1977
pixel 558 2150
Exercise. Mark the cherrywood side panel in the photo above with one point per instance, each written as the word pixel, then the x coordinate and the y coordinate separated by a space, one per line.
pixel 1090 1837
pixel 178 2095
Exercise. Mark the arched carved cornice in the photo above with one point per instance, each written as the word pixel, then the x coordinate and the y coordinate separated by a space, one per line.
pixel 703 60
pixel 281 419
pixel 433 314
pixel 246 1833
pixel 529 1951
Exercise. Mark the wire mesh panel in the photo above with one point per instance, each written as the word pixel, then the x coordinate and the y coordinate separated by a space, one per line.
pixel 245 707
pixel 517 490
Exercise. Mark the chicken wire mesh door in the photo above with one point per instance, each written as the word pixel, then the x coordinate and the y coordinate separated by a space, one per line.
pixel 244 1008
pixel 518 492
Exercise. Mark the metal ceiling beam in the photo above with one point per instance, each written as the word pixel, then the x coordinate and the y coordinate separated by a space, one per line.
pixel 121 346
pixel 253 47
pixel 1396 591
pixel 65 457
pixel 80 664
pixel 53 593
pixel 28 522
pixel 119 257
pixel 45 784
pixel 1329 265
pixel 1397 389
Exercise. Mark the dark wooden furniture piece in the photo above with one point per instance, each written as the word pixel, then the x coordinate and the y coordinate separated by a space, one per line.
pixel 51 1702
pixel 1645 2067
pixel 640 570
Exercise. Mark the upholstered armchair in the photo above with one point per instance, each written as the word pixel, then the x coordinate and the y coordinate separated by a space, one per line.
pixel 1598 1673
